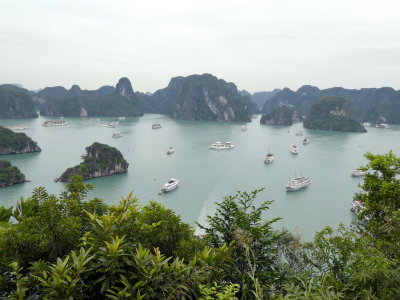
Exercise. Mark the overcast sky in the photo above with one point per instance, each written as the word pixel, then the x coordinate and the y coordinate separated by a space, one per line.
pixel 258 45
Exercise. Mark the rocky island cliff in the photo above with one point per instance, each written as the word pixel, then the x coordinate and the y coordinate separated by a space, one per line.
pixel 332 113
pixel 281 115
pixel 107 101
pixel 100 160
pixel 10 175
pixel 16 143
pixel 200 97
pixel 16 103
pixel 375 105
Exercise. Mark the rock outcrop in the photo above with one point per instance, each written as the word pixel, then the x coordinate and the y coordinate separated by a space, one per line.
pixel 16 103
pixel 106 101
pixel 10 175
pixel 16 143
pixel 100 160
pixel 332 113
pixel 367 104
pixel 200 97
pixel 281 115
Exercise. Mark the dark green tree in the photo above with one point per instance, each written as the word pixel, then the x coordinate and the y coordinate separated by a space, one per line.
pixel 381 197
pixel 239 223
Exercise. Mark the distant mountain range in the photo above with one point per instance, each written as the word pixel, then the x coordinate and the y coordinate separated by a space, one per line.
pixel 107 101
pixel 194 97
pixel 367 105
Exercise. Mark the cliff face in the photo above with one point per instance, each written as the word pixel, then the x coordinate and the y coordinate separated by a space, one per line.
pixel 16 143
pixel 281 115
pixel 332 113
pixel 368 104
pixel 261 98
pixel 75 102
pixel 16 103
pixel 10 175
pixel 100 160
pixel 200 97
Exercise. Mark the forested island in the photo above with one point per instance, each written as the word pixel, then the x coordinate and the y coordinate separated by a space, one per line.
pixel 100 160
pixel 16 103
pixel 200 97
pixel 107 101
pixel 332 113
pixel 280 115
pixel 68 247
pixel 10 175
pixel 375 105
pixel 16 143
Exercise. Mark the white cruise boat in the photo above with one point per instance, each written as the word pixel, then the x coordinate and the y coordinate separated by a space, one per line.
pixel 17 127
pixel 269 158
pixel 298 183
pixel 221 145
pixel 382 125
pixel 294 149
pixel 244 128
pixel 300 132
pixel 117 134
pixel 112 124
pixel 358 173
pixel 306 141
pixel 170 185
pixel 156 126
pixel 121 118
pixel 367 124
pixel 49 123
pixel 170 150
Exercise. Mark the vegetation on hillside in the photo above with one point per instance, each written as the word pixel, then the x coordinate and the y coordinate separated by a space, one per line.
pixel 332 113
pixel 13 142
pixel 64 247
pixel 280 115
pixel 200 97
pixel 10 175
pixel 100 160
pixel 16 103
pixel 374 105
pixel 105 101
pixel 108 106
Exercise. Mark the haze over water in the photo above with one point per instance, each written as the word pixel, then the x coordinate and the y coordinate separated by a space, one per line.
pixel 209 175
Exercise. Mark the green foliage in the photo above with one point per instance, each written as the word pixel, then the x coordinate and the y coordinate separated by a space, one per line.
pixel 63 247
pixel 12 142
pixel 5 214
pixel 101 159
pixel 332 113
pixel 226 292
pixel 239 223
pixel 16 103
pixel 48 226
pixel 10 175
pixel 380 196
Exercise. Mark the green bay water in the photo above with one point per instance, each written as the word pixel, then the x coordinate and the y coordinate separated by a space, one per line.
pixel 208 175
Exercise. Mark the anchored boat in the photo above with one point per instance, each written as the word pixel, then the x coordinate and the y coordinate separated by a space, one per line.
pixel 298 183
pixel 170 185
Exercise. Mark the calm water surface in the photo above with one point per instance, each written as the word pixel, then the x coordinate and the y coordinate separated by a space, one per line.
pixel 209 175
